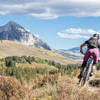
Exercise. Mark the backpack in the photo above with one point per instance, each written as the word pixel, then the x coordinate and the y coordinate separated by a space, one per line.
pixel 92 42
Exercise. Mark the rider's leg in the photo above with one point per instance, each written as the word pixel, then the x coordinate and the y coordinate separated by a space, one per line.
pixel 93 69
pixel 95 59
pixel 82 69
pixel 85 59
pixel 94 66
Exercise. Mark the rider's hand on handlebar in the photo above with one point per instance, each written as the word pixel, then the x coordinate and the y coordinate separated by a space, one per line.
pixel 81 51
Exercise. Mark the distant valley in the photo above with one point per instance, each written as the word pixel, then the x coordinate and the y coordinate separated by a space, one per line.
pixel 73 53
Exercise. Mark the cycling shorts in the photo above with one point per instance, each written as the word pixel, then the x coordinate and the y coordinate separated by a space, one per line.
pixel 89 52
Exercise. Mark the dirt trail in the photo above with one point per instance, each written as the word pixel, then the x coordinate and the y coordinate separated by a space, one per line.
pixel 90 88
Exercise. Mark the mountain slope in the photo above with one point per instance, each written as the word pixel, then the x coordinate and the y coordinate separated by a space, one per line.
pixel 15 32
pixel 9 48
pixel 73 53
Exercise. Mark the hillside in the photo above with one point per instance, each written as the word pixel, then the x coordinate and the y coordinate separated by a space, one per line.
pixel 9 48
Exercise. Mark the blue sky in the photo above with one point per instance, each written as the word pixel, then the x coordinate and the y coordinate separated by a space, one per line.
pixel 62 24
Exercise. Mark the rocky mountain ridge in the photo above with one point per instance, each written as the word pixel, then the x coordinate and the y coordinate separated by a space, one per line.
pixel 14 32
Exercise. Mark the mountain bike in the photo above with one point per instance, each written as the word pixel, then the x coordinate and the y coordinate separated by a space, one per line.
pixel 87 71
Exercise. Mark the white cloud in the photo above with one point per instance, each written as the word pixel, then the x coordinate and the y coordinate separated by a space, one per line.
pixel 51 8
pixel 71 36
pixel 45 15
pixel 4 12
pixel 80 31
pixel 75 33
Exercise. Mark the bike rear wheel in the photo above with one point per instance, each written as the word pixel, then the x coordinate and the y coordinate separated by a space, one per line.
pixel 86 72
pixel 82 80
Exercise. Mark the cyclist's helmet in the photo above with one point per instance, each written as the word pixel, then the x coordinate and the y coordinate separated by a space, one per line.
pixel 96 35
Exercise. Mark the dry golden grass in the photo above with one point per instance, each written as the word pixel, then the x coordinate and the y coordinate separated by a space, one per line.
pixel 97 74
pixel 11 89
pixel 65 89
pixel 48 87
pixel 4 41
pixel 95 82
pixel 1 57
pixel 57 87
pixel 51 53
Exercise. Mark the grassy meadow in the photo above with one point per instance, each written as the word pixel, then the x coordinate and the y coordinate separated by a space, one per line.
pixel 32 78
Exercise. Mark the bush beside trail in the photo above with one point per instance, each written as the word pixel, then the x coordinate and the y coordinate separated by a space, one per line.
pixel 11 89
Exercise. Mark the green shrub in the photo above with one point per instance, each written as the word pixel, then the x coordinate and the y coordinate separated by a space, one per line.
pixel 9 62
pixel 26 73
pixel 53 71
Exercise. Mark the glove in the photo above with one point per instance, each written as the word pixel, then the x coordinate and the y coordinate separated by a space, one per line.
pixel 81 51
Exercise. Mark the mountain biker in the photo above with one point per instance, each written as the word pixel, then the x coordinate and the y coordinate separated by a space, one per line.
pixel 93 46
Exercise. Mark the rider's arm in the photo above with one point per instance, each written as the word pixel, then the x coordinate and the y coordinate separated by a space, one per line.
pixel 83 44
pixel 99 46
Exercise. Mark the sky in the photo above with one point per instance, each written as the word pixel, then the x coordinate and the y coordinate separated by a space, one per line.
pixel 62 24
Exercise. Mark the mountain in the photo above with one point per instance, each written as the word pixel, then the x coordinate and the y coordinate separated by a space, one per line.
pixel 12 48
pixel 73 53
pixel 75 49
pixel 14 32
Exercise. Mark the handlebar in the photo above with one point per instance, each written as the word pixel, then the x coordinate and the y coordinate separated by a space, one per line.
pixel 82 52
